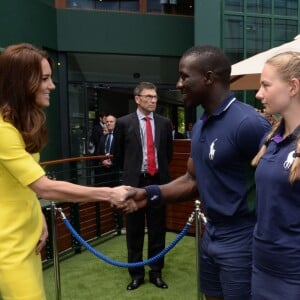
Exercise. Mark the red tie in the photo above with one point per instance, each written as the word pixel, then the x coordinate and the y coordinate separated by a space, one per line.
pixel 151 169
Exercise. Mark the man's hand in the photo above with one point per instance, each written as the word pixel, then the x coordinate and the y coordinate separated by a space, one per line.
pixel 132 206
pixel 107 162
pixel 118 196
pixel 135 198
pixel 137 194
pixel 128 199
pixel 129 206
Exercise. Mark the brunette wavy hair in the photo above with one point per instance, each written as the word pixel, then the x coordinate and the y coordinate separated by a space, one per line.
pixel 20 79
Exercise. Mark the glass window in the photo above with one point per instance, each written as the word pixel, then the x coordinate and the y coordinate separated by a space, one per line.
pixel 77 119
pixel 263 6
pixel 284 31
pixel 108 5
pixel 234 5
pixel 233 37
pixel 81 4
pixel 176 7
pixel 154 6
pixel 180 119
pixel 286 7
pixel 185 7
pixel 131 5
pixel 258 35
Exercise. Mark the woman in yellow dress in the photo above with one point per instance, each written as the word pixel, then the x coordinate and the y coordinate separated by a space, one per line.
pixel 25 87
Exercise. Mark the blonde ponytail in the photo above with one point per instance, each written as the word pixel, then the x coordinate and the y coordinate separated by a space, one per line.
pixel 295 169
pixel 263 148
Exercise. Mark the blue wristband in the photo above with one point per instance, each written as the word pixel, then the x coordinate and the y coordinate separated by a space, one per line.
pixel 153 194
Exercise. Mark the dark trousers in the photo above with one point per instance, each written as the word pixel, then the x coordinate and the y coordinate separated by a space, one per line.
pixel 155 218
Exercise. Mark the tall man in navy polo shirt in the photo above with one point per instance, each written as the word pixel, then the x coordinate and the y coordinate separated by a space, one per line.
pixel 224 141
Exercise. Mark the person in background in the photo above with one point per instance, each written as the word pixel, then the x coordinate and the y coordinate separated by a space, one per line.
pixel 97 130
pixel 106 147
pixel 224 141
pixel 106 142
pixel 143 151
pixel 104 129
pixel 276 254
pixel 176 134
pixel 96 164
pixel 25 88
pixel 188 133
pixel 269 117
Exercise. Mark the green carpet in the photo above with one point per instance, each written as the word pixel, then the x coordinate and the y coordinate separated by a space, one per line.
pixel 86 277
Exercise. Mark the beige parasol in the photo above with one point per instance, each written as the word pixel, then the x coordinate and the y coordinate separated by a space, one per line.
pixel 245 75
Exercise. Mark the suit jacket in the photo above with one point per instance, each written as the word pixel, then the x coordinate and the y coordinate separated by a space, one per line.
pixel 128 152
pixel 97 132
pixel 178 135
pixel 101 145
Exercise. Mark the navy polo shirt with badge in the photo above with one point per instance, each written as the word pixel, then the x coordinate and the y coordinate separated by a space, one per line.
pixel 277 233
pixel 222 148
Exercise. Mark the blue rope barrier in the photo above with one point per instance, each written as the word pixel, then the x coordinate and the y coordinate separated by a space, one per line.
pixel 121 264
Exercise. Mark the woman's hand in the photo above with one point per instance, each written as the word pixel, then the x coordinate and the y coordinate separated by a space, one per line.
pixel 43 238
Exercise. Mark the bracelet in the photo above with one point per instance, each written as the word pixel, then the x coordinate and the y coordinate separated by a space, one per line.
pixel 153 194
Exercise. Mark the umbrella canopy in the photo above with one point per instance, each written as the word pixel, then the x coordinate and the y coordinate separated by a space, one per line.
pixel 245 75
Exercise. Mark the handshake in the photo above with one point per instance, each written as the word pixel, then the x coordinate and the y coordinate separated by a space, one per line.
pixel 128 199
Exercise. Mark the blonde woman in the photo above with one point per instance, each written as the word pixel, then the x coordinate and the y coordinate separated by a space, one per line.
pixel 25 87
pixel 276 256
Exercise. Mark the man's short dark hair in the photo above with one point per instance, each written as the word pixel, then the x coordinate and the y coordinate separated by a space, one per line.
pixel 213 59
pixel 143 85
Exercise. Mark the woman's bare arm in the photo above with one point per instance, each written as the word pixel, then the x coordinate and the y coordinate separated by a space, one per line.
pixel 55 190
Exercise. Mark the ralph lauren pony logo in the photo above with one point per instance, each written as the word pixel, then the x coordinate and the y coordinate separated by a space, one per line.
pixel 289 160
pixel 212 150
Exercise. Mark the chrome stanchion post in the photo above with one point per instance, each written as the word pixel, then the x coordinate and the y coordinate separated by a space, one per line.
pixel 198 245
pixel 55 252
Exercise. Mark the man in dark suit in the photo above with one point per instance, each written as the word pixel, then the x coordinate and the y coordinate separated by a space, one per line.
pixel 97 130
pixel 188 133
pixel 176 135
pixel 131 154
pixel 107 174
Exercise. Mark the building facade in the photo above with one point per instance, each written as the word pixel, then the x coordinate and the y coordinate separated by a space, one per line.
pixel 104 48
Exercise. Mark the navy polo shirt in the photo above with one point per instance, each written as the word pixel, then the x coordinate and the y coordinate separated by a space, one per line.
pixel 222 148
pixel 277 233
